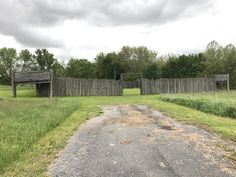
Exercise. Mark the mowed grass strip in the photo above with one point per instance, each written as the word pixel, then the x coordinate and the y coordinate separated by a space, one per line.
pixel 24 121
pixel 218 103
pixel 224 127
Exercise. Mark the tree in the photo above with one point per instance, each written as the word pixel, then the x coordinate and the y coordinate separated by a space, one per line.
pixel 58 69
pixel 44 59
pixel 8 59
pixel 26 61
pixel 184 66
pixel 214 59
pixel 153 71
pixel 221 60
pixel 136 59
pixel 107 66
pixel 229 63
pixel 128 60
pixel 80 68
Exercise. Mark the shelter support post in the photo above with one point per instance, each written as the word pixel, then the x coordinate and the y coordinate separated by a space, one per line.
pixel 13 84
pixel 228 82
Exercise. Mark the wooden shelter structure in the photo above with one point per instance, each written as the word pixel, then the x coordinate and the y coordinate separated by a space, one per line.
pixel 223 78
pixel 42 79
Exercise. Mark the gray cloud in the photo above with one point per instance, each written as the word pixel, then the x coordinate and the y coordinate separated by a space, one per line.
pixel 28 37
pixel 21 19
pixel 18 20
pixel 149 12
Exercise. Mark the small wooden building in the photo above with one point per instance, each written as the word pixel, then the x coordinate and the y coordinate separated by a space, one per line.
pixel 223 78
pixel 42 79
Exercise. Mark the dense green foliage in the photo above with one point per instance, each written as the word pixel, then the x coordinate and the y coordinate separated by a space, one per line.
pixel 184 66
pixel 8 58
pixel 213 104
pixel 217 108
pixel 153 71
pixel 214 60
pixel 221 60
pixel 107 66
pixel 80 69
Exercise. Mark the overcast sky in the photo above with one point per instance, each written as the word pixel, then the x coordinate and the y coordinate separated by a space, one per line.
pixel 83 28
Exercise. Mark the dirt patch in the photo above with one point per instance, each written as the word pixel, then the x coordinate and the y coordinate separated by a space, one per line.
pixel 149 139
pixel 211 147
pixel 167 127
pixel 199 140
pixel 132 117
pixel 111 131
pixel 125 142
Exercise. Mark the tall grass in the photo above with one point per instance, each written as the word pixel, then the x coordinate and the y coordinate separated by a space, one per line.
pixel 221 104
pixel 24 121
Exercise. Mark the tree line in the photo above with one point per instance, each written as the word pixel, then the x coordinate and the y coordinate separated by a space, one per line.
pixel 214 60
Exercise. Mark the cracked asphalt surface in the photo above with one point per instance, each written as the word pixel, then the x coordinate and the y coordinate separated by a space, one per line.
pixel 135 141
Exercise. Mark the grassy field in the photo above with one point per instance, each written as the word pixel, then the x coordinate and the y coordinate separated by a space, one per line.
pixel 33 130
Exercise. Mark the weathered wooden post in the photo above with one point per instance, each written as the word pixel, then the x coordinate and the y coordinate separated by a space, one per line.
pixel 228 82
pixel 141 84
pixel 51 83
pixel 121 83
pixel 168 85
pixel 13 83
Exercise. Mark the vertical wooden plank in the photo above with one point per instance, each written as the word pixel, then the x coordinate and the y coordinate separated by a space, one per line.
pixel 141 84
pixel 121 83
pixel 175 82
pixel 180 85
pixel 80 87
pixel 51 83
pixel 228 82
pixel 76 87
pixel 13 83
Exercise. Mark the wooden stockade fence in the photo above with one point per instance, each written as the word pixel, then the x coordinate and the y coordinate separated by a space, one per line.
pixel 86 87
pixel 47 85
pixel 183 85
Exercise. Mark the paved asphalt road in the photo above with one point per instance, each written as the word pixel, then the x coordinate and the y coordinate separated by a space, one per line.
pixel 135 141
